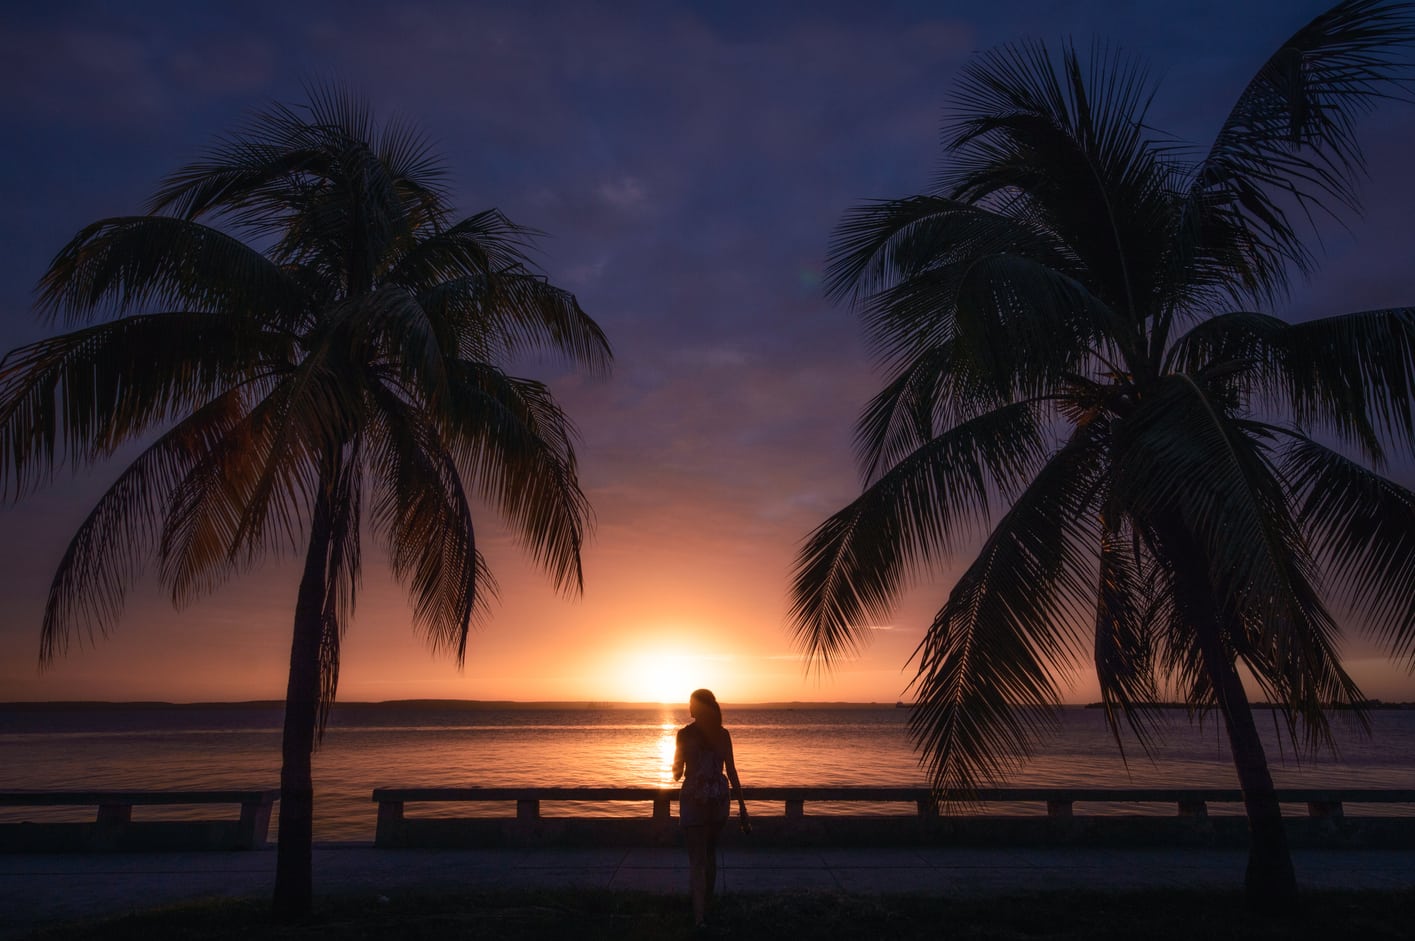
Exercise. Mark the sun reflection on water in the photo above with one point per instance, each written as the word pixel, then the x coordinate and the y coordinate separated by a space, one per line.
pixel 667 742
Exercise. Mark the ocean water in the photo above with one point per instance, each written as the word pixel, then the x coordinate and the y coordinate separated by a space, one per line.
pixel 461 745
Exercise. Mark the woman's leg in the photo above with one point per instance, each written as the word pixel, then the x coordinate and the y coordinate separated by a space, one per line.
pixel 710 876
pixel 698 857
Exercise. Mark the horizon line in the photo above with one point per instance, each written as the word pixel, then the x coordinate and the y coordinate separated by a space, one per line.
pixel 584 703
pixel 577 703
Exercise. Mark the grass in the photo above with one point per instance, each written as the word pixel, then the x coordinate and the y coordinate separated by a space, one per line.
pixel 585 915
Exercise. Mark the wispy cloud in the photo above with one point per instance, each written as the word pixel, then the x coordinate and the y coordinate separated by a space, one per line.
pixel 625 194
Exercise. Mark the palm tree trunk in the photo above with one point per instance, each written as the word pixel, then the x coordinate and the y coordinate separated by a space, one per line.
pixel 1270 882
pixel 294 864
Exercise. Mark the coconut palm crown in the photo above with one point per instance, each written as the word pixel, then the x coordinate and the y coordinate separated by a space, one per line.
pixel 309 347
pixel 1173 484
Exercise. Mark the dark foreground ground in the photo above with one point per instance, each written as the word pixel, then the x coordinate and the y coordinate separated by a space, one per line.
pixel 1016 893
pixel 586 914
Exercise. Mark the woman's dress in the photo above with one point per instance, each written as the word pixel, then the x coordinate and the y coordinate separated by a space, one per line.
pixel 704 797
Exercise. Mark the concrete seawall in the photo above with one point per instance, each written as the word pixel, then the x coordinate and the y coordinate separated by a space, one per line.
pixel 1325 825
pixel 850 831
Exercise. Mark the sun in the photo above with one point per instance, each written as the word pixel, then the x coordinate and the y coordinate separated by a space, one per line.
pixel 660 676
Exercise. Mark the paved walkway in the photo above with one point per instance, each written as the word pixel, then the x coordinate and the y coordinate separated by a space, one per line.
pixel 39 889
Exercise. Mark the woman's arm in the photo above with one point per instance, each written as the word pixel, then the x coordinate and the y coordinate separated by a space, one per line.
pixel 731 767
pixel 678 757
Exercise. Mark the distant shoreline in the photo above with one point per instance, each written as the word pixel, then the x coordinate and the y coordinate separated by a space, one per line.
pixel 480 705
pixel 469 705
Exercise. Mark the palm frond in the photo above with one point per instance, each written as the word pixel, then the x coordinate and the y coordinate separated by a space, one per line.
pixel 1291 140
pixel 1182 452
pixel 1362 526
pixel 384 330
pixel 1349 374
pixel 316 185
pixel 480 245
pixel 423 514
pixel 1182 463
pixel 109 548
pixel 420 174
pixel 855 563
pixel 116 265
pixel 1064 143
pixel 514 444
pixel 1016 326
pixel 1354 374
pixel 1188 608
pixel 911 409
pixel 998 293
pixel 215 525
pixel 476 280
pixel 984 692
pixel 258 166
pixel 341 580
pixel 881 245
pixel 1243 339
pixel 1124 653
pixel 251 492
pixel 515 314
pixel 80 395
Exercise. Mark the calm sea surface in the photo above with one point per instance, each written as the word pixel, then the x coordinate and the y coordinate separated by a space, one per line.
pixel 415 745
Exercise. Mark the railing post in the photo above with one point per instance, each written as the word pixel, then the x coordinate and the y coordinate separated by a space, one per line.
pixel 115 813
pixel 1326 810
pixel 390 823
pixel 928 807
pixel 1056 808
pixel 1192 808
pixel 527 810
pixel 255 822
pixel 795 809
pixel 661 806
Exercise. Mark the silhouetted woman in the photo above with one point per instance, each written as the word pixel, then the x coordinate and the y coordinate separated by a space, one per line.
pixel 704 752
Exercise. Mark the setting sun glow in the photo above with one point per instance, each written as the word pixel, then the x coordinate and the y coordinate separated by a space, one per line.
pixel 663 677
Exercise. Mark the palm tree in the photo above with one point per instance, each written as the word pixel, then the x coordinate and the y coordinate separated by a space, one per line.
pixel 308 345
pixel 1080 369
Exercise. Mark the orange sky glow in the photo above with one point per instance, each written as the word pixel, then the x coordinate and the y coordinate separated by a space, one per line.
pixel 682 596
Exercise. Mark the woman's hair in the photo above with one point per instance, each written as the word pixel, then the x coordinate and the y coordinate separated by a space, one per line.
pixel 706 697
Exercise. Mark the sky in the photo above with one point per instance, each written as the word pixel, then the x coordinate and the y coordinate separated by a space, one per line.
pixel 687 162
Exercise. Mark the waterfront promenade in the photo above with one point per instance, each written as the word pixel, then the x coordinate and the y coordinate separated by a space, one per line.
pixel 39 889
